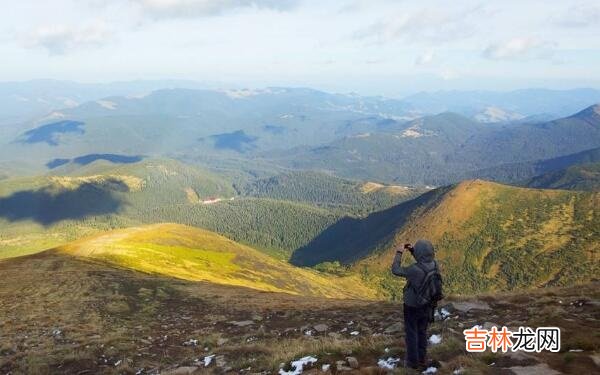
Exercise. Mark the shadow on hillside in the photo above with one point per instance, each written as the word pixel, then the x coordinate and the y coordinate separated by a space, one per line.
pixel 90 158
pixel 50 204
pixel 350 239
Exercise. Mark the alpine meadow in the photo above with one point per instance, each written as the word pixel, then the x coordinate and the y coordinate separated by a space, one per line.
pixel 300 187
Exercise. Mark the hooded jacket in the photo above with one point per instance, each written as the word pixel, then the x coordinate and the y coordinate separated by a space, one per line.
pixel 424 254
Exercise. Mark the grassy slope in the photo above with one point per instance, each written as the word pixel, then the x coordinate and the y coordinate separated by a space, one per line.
pixel 193 254
pixel 495 237
pixel 75 315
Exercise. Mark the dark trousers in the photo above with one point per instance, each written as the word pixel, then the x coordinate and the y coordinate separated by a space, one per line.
pixel 416 320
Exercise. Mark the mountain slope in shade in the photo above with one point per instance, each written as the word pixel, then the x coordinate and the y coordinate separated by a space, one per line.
pixel 578 177
pixel 188 253
pixel 517 172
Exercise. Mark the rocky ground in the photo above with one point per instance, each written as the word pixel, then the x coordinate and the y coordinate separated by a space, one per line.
pixel 63 315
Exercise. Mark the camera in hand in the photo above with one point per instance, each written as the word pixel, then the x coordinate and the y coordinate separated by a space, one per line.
pixel 408 247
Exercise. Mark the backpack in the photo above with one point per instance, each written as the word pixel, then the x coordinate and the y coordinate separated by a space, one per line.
pixel 430 291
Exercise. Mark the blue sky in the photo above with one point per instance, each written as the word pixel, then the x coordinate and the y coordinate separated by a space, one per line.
pixel 389 47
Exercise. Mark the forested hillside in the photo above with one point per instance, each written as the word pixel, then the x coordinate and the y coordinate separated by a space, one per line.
pixel 578 177
pixel 329 191
pixel 40 212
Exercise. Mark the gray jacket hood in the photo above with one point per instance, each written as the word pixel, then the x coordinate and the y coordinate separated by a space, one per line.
pixel 423 252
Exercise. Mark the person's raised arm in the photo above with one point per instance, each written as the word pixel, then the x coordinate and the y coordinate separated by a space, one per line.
pixel 397 268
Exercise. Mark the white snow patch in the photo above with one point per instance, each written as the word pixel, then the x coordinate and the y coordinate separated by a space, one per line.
pixel 298 365
pixel 435 339
pixel 389 363
pixel 458 371
pixel 190 342
pixel 430 370
pixel 325 368
pixel 208 359
pixel 107 104
pixel 354 333
pixel 444 313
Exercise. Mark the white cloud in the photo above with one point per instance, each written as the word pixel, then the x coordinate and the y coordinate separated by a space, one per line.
pixel 519 48
pixel 60 39
pixel 426 58
pixel 431 25
pixel 200 8
pixel 580 15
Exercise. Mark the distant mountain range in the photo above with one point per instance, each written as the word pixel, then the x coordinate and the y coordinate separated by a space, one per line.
pixel 365 138
pixel 445 148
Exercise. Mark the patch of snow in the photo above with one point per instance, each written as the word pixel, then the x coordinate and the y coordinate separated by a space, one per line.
pixel 444 313
pixel 190 342
pixel 458 371
pixel 325 368
pixel 354 333
pixel 435 339
pixel 308 332
pixel 389 363
pixel 430 370
pixel 107 104
pixel 208 360
pixel 298 365
pixel 118 362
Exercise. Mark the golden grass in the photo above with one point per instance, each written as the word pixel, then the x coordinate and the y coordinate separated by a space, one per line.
pixel 194 254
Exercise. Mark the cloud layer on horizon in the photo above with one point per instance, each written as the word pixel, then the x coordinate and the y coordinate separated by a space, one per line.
pixel 303 42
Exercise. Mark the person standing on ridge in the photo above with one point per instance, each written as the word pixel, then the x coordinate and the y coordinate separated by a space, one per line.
pixel 421 293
